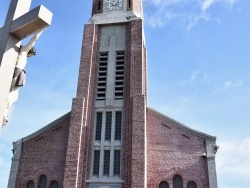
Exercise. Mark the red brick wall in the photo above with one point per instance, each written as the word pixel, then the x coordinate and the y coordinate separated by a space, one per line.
pixel 134 129
pixel 44 154
pixel 97 7
pixel 169 152
pixel 81 124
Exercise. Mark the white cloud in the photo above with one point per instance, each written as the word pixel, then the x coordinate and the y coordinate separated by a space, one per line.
pixel 206 4
pixel 229 84
pixel 194 75
pixel 184 12
pixel 225 86
pixel 233 158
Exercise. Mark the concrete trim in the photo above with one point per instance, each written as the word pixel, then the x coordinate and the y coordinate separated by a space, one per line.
pixel 211 149
pixel 17 149
pixel 114 17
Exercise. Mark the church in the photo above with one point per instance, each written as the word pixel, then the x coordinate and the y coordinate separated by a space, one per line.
pixel 111 138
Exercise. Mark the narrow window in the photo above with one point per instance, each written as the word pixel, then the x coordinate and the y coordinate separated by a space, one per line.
pixel 96 162
pixel 30 184
pixel 177 181
pixel 119 75
pixel 191 184
pixel 54 184
pixel 129 3
pixel 106 162
pixel 108 125
pixel 102 76
pixel 163 184
pixel 99 4
pixel 98 130
pixel 43 181
pixel 117 159
pixel 118 125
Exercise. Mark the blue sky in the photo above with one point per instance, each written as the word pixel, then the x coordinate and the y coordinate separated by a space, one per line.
pixel 198 73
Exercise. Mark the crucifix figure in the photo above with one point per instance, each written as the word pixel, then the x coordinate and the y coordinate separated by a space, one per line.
pixel 19 76
pixel 19 24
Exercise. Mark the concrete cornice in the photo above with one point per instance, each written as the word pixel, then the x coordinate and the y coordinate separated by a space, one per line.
pixel 114 17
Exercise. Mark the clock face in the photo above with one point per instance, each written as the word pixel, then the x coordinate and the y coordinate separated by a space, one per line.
pixel 111 5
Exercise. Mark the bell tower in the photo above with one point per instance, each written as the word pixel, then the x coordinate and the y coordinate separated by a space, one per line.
pixel 107 135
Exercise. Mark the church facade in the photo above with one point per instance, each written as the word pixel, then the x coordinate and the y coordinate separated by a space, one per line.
pixel 111 138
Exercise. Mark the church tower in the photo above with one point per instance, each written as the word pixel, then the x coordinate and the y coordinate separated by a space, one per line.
pixel 107 135
pixel 111 138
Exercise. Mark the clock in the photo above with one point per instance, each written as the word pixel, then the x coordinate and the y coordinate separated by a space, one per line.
pixel 112 5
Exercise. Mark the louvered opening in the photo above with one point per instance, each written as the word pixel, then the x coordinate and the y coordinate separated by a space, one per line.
pixel 119 75
pixel 102 76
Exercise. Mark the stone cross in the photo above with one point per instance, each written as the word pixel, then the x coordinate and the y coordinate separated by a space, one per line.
pixel 19 24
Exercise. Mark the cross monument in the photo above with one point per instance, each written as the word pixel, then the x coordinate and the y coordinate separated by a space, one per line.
pixel 20 23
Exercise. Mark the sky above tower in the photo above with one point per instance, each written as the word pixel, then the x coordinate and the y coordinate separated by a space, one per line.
pixel 198 54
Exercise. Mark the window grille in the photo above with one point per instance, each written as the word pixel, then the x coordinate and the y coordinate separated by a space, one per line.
pixel 30 184
pixel 96 162
pixel 106 162
pixel 98 131
pixel 54 184
pixel 106 150
pixel 191 184
pixel 102 76
pixel 108 125
pixel 119 75
pixel 118 125
pixel 117 160
pixel 163 184
pixel 177 181
pixel 43 181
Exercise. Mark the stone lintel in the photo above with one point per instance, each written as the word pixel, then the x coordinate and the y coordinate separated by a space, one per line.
pixel 29 23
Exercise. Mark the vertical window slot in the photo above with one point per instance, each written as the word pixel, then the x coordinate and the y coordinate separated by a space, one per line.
pixel 108 125
pixel 118 125
pixel 102 76
pixel 96 162
pixel 119 75
pixel 106 162
pixel 117 161
pixel 98 129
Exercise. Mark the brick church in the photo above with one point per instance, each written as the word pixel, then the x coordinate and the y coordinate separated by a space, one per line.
pixel 111 138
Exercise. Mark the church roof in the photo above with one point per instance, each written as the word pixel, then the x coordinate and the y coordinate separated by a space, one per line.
pixel 182 126
pixel 47 127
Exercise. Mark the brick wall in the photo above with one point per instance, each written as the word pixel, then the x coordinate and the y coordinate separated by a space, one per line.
pixel 174 150
pixel 97 7
pixel 134 129
pixel 44 154
pixel 78 158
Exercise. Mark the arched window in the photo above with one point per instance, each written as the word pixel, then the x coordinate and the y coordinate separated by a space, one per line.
pixel 53 184
pixel 43 181
pixel 30 184
pixel 163 184
pixel 191 184
pixel 177 181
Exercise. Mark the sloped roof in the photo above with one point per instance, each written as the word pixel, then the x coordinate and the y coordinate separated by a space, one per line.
pixel 47 127
pixel 182 126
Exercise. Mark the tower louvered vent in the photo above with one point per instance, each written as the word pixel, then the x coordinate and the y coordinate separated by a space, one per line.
pixel 119 75
pixel 102 76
